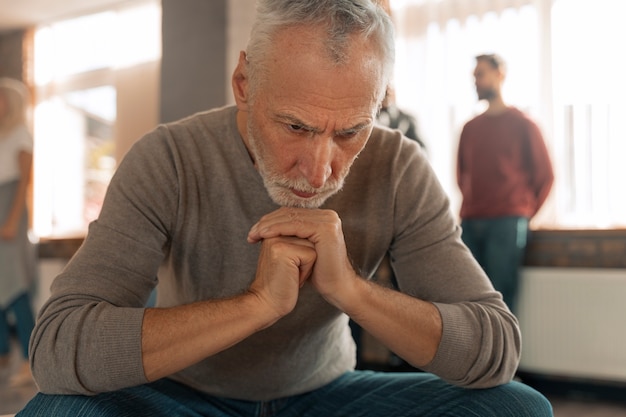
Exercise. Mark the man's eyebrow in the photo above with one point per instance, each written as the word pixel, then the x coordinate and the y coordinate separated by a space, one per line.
pixel 354 129
pixel 287 118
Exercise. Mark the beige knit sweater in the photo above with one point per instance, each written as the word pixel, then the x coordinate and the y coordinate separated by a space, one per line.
pixel 178 212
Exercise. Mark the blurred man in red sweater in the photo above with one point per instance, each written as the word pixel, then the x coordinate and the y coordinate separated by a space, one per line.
pixel 504 174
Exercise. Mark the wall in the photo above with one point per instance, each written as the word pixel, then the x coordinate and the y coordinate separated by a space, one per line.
pixel 137 104
pixel 577 249
pixel 201 45
pixel 240 18
pixel 194 54
pixel 11 54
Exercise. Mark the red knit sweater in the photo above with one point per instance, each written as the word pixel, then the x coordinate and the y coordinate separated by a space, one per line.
pixel 503 167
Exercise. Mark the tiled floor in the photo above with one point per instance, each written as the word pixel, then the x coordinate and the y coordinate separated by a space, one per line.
pixel 13 398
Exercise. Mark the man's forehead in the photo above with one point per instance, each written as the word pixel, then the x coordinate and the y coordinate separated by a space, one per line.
pixel 309 94
pixel 484 67
pixel 303 86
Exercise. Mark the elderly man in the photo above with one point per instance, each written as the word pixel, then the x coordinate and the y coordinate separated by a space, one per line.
pixel 262 224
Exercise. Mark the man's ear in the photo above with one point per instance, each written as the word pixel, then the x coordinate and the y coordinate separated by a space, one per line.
pixel 240 83
pixel 501 75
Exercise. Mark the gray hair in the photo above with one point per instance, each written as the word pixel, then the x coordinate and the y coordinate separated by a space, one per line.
pixel 15 94
pixel 341 19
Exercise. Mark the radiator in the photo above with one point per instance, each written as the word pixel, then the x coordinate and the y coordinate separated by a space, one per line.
pixel 573 322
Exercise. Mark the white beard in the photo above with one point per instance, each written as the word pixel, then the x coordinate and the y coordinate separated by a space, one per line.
pixel 280 188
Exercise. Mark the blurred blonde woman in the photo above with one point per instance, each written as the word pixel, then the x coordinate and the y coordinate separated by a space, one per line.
pixel 17 261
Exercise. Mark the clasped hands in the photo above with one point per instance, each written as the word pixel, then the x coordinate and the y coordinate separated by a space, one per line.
pixel 299 245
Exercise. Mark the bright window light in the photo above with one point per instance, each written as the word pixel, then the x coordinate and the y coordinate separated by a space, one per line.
pixel 138 35
pixel 76 110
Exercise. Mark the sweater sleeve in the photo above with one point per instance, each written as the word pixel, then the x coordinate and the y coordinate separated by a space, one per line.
pixel 459 160
pixel 481 341
pixel 539 166
pixel 87 338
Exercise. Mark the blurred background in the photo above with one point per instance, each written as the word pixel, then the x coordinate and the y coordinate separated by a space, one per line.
pixel 104 72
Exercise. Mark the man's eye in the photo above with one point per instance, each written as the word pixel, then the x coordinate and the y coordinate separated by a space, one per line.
pixel 296 128
pixel 348 134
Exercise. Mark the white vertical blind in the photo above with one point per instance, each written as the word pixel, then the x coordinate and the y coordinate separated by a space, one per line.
pixel 590 117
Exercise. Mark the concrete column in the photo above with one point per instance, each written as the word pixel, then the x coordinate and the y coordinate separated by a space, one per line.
pixel 193 67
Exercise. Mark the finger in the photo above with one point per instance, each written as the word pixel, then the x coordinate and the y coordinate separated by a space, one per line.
pixel 284 265
pixel 303 255
pixel 302 223
pixel 259 230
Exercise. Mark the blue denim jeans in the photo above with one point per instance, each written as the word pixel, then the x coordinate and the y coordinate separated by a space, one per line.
pixel 499 245
pixel 24 323
pixel 357 393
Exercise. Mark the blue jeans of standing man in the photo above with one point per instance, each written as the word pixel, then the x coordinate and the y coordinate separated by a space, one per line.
pixel 357 393
pixel 24 323
pixel 499 244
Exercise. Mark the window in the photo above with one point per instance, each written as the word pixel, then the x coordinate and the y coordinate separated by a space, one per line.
pixel 79 65
pixel 565 76
pixel 74 158
pixel 589 126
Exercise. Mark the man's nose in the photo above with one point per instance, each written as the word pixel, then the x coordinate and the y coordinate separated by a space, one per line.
pixel 315 163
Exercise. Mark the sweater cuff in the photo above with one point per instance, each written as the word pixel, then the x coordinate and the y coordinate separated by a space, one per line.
pixel 458 349
pixel 118 364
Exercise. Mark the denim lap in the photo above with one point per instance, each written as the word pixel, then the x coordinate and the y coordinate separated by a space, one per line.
pixel 358 393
